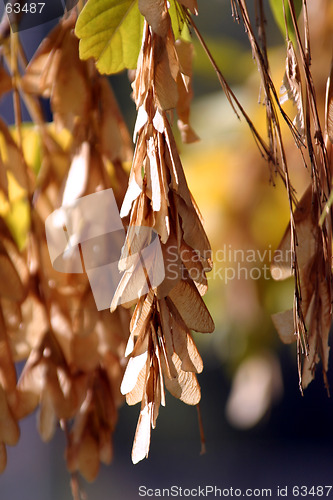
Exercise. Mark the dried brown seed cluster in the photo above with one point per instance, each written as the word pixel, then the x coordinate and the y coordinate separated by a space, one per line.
pixel 74 354
pixel 161 346
pixel 75 359
pixel 314 257
pixel 307 244
pixel 75 368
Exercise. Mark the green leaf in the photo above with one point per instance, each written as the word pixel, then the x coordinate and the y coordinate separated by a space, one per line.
pixel 179 27
pixel 277 9
pixel 111 32
pixel 176 20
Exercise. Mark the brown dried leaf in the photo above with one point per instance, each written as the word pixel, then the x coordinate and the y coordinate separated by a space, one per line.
pixel 3 457
pixel 152 174
pixel 77 177
pixel 166 72
pixel 31 329
pixel 281 263
pixel 105 446
pixel 185 348
pixel 185 387
pixel 156 15
pixel 62 330
pixel 3 177
pixel 141 442
pixel 156 374
pixel 193 264
pixel 60 386
pixel 11 285
pixel 185 94
pixel 70 96
pixel 140 326
pixel 9 429
pixel 172 267
pixel 173 163
pixel 5 81
pixel 165 340
pixel 193 232
pixel 132 372
pixel 7 367
pixel 133 192
pixel 17 259
pixel 144 73
pixel 85 351
pixel 191 307
pixel 86 316
pixel 115 344
pixel 42 69
pixel 88 457
pixel 133 322
pixel 319 320
pixel 126 289
pixel 13 160
pixel 30 387
pixel 56 72
pixel 136 394
pixel 159 387
pixel 47 419
pixel 115 141
pixel 325 309
pixel 310 362
pixel 284 324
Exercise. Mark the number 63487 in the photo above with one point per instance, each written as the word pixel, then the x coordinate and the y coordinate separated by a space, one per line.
pixel 17 8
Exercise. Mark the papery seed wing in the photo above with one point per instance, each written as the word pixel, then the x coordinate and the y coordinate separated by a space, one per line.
pixel 191 307
pixel 185 386
pixel 281 263
pixel 142 435
pixel 156 15
pixel 284 324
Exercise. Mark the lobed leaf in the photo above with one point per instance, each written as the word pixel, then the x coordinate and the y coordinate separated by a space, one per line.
pixel 111 32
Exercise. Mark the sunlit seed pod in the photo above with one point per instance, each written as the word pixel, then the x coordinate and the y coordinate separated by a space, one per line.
pixel 47 419
pixel 88 457
pixel 105 446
